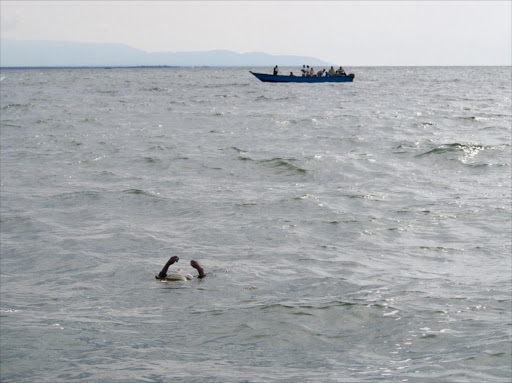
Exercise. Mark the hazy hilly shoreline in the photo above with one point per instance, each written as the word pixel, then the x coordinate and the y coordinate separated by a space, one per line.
pixel 25 53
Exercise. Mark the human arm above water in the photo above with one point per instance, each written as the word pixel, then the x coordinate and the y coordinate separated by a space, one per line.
pixel 162 274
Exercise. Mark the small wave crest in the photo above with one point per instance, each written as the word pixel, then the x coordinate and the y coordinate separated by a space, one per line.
pixel 279 166
pixel 138 192
pixel 285 166
pixel 453 148
pixel 464 153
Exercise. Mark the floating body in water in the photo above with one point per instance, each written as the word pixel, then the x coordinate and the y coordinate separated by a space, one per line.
pixel 179 277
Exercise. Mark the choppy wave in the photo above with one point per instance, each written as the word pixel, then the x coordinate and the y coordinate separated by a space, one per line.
pixel 277 166
pixel 454 148
pixel 469 154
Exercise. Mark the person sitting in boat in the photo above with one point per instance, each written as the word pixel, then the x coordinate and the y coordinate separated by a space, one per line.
pixel 179 277
pixel 311 72
pixel 341 72
pixel 291 74
pixel 320 73
pixel 332 72
pixel 303 70
pixel 276 70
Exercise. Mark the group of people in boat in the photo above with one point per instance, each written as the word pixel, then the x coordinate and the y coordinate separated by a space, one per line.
pixel 310 72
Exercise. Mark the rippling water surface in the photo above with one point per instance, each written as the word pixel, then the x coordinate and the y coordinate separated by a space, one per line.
pixel 352 232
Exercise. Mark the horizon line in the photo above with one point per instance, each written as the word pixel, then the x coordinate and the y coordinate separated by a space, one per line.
pixel 12 67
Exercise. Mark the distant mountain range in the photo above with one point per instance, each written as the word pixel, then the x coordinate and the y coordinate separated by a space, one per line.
pixel 24 53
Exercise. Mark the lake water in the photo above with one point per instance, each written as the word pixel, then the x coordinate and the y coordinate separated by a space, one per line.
pixel 353 232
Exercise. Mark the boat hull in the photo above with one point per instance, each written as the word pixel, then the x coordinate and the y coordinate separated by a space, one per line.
pixel 277 78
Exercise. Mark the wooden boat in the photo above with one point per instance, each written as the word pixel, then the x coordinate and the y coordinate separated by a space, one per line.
pixel 279 78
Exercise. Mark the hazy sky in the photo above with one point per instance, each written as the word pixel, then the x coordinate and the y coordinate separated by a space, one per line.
pixel 344 32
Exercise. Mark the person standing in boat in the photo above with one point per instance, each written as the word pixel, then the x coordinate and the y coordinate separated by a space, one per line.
pixel 276 70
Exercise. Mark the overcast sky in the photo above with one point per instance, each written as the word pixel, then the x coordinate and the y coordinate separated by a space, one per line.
pixel 346 32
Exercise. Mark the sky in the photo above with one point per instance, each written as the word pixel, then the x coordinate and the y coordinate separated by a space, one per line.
pixel 345 32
